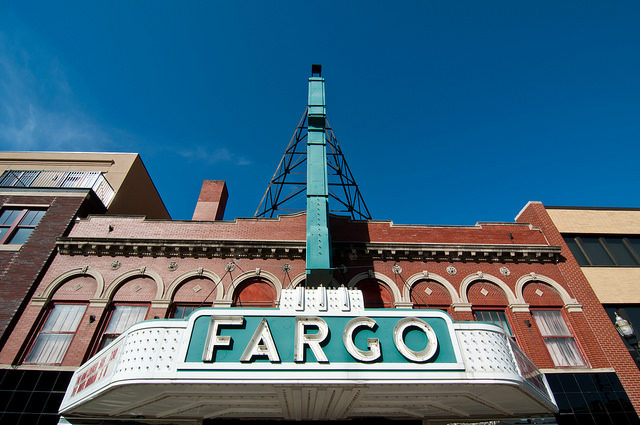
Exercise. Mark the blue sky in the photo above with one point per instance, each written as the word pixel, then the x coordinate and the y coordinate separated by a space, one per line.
pixel 448 112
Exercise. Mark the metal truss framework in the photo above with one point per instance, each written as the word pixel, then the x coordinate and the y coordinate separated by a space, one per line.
pixel 289 182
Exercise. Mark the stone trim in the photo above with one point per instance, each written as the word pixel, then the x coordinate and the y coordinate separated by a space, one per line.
pixel 390 284
pixel 269 277
pixel 297 250
pixel 131 274
pixel 50 289
pixel 201 272
pixel 571 304
pixel 480 276
pixel 447 252
pixel 428 276
pixel 11 247
pixel 177 248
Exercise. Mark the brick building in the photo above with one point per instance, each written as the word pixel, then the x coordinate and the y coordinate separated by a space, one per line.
pixel 117 270
pixel 41 194
pixel 109 272
pixel 605 242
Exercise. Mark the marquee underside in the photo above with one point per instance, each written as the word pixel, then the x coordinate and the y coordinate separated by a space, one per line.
pixel 192 402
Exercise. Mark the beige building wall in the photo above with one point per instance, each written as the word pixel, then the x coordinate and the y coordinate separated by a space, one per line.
pixel 135 192
pixel 612 285
pixel 613 221
pixel 615 285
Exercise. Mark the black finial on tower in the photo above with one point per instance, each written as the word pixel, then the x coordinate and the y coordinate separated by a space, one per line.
pixel 316 70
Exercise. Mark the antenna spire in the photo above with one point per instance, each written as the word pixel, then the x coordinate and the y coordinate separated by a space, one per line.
pixel 286 189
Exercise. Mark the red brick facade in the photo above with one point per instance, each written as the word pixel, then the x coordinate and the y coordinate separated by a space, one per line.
pixel 20 269
pixel 509 267
pixel 595 321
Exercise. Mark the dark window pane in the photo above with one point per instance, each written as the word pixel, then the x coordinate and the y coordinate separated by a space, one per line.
pixel 3 230
pixel 575 250
pixel 620 252
pixel 586 382
pixel 630 313
pixel 635 245
pixel 32 218
pixel 35 405
pixel 5 396
pixel 585 419
pixel 11 418
pixel 494 316
pixel 563 403
pixel 53 403
pixel 19 401
pixel 20 236
pixel 28 419
pixel 46 381
pixel 63 382
pixel 29 380
pixel 618 418
pixel 596 252
pixel 182 311
pixel 108 339
pixel 601 418
pixel 9 216
pixel 48 420
pixel 178 313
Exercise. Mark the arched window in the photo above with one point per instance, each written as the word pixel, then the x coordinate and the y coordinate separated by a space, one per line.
pixel 375 294
pixel 254 292
pixel 430 294
pixel 129 306
pixel 192 294
pixel 489 304
pixel 66 310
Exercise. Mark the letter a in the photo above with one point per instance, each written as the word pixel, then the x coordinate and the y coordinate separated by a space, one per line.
pixel 261 344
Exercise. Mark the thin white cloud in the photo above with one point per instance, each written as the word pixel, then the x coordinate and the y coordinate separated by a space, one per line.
pixel 39 109
pixel 243 161
pixel 37 112
pixel 213 156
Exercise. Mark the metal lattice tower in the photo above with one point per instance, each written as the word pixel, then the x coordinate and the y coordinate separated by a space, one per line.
pixel 286 192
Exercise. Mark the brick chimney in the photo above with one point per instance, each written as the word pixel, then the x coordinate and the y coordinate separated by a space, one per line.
pixel 212 201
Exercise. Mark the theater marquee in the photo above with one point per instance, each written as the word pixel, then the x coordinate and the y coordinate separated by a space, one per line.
pixel 320 356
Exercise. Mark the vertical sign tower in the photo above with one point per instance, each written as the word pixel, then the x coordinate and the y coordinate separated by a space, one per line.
pixel 318 243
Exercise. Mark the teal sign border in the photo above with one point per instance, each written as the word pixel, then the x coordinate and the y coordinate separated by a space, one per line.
pixel 283 331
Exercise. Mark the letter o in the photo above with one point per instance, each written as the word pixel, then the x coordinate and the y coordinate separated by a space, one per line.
pixel 415 356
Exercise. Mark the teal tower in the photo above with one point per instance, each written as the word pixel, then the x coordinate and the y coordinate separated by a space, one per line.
pixel 329 186
pixel 319 270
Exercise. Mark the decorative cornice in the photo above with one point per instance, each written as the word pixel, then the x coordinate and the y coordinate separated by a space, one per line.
pixel 447 252
pixel 296 250
pixel 180 248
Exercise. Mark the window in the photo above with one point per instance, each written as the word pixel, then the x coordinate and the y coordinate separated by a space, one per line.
pixel 183 311
pixel 631 313
pixel 122 317
pixel 558 338
pixel 612 250
pixel 497 317
pixel 56 334
pixel 14 178
pixel 16 224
